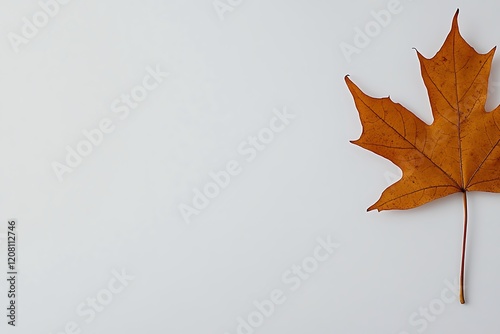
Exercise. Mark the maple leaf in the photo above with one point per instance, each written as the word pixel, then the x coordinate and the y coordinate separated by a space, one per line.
pixel 458 152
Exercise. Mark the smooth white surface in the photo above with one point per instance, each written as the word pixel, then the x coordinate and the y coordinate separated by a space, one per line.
pixel 118 210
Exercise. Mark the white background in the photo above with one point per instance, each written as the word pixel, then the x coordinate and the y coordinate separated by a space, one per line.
pixel 118 210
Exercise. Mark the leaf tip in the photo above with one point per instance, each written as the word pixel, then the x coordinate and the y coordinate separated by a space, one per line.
pixel 455 19
pixel 419 55
pixel 355 142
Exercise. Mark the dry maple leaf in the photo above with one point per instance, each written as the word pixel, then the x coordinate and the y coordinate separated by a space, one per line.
pixel 458 152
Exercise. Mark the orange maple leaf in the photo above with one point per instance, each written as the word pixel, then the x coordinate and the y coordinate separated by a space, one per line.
pixel 458 152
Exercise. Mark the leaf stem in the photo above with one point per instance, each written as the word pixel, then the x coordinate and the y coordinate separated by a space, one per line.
pixel 462 264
